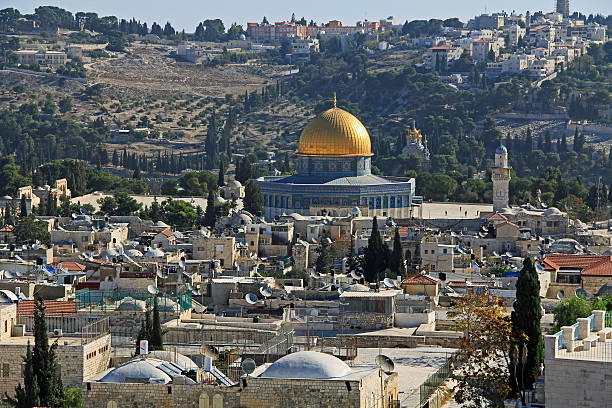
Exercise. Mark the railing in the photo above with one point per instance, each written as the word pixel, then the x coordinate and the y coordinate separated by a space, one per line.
pixel 560 342
pixel 131 301
pixel 608 320
pixel 591 323
pixel 434 381
pixel 576 331
pixel 284 336
pixel 67 324
pixel 95 330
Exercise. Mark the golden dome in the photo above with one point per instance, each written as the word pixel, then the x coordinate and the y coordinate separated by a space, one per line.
pixel 335 132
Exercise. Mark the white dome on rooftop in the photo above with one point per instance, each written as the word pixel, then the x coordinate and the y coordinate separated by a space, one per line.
pixel 145 368
pixel 307 364
pixel 154 253
pixel 234 184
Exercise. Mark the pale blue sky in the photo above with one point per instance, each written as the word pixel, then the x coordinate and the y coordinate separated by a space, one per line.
pixel 187 13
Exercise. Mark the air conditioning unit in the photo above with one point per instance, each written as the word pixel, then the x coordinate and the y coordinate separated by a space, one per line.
pixel 57 332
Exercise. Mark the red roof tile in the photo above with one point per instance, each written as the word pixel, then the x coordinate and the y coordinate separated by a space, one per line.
pixel 166 232
pixel 72 266
pixel 591 265
pixel 498 217
pixel 419 279
pixel 52 308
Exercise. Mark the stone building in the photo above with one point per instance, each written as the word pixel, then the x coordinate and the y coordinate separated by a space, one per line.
pixel 569 273
pixel 368 310
pixel 500 176
pixel 219 248
pixel 334 175
pixel 306 379
pixel 80 357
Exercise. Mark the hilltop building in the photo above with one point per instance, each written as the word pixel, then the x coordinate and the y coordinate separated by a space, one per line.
pixel 334 175
pixel 563 7
pixel 416 143
pixel 501 179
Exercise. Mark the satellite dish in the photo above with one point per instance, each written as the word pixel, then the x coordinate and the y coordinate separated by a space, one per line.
pixel 265 291
pixel 189 287
pixel 83 210
pixel 385 363
pixel 583 293
pixel 251 298
pixel 389 283
pixel 355 275
pixel 560 295
pixel 340 290
pixel 315 274
pixel 248 366
pixel 160 275
pixel 181 263
pixel 152 289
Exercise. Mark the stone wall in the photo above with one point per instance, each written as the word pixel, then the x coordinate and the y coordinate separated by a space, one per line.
pixel 77 362
pixel 575 383
pixel 8 317
pixel 367 321
pixel 372 390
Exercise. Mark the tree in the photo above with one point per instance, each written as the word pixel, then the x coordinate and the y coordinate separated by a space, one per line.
pixel 221 180
pixel 397 264
pixel 526 324
pixel 480 366
pixel 253 201
pixel 209 215
pixel 157 335
pixel 170 187
pixel 374 260
pixel 569 310
pixel 243 170
pixel 211 141
pixel 26 396
pixel 29 230
pixel 351 262
pixel 23 208
pixel 65 104
pixel 322 264
pixel 44 362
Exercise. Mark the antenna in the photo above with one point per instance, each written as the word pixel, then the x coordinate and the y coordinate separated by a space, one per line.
pixel 152 289
pixel 251 298
pixel 385 363
pixel 248 366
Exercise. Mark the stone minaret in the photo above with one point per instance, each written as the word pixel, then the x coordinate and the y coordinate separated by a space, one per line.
pixel 501 179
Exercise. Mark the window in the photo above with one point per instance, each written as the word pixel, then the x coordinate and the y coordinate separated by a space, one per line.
pixel 111 404
pixel 203 401
pixel 200 249
pixel 425 251
pixel 5 326
pixel 5 370
pixel 84 239
pixel 445 251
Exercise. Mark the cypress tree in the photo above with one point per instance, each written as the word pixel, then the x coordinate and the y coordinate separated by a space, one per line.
pixel 44 362
pixel 526 325
pixel 23 209
pixel 26 396
pixel 563 144
pixel 209 216
pixel 253 201
pixel 397 264
pixel 157 335
pixel 221 179
pixel 528 141
pixel 211 140
pixel 324 258
pixel 351 261
pixel 374 260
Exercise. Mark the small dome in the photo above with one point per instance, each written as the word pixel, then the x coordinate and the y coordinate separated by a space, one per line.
pixel 7 197
pixel 356 211
pixel 234 184
pixel 357 287
pixel 335 132
pixel 131 304
pixel 551 211
pixel 134 253
pixel 307 364
pixel 161 224
pixel 154 253
pixel 145 368
pixel 501 149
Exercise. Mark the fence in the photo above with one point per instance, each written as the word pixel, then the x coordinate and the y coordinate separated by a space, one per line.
pixel 67 324
pixel 608 319
pixel 95 330
pixel 131 301
pixel 435 380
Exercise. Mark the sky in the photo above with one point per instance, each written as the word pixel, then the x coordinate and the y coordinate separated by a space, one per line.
pixel 185 14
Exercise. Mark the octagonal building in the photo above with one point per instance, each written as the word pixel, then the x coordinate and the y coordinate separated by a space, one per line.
pixel 334 175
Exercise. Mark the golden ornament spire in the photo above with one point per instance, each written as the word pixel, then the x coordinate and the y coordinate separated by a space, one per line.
pixel 335 100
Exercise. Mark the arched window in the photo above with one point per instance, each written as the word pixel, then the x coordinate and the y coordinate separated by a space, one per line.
pixel 111 404
pixel 203 401
pixel 218 401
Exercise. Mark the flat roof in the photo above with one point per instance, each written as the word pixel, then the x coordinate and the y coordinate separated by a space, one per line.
pixel 23 340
